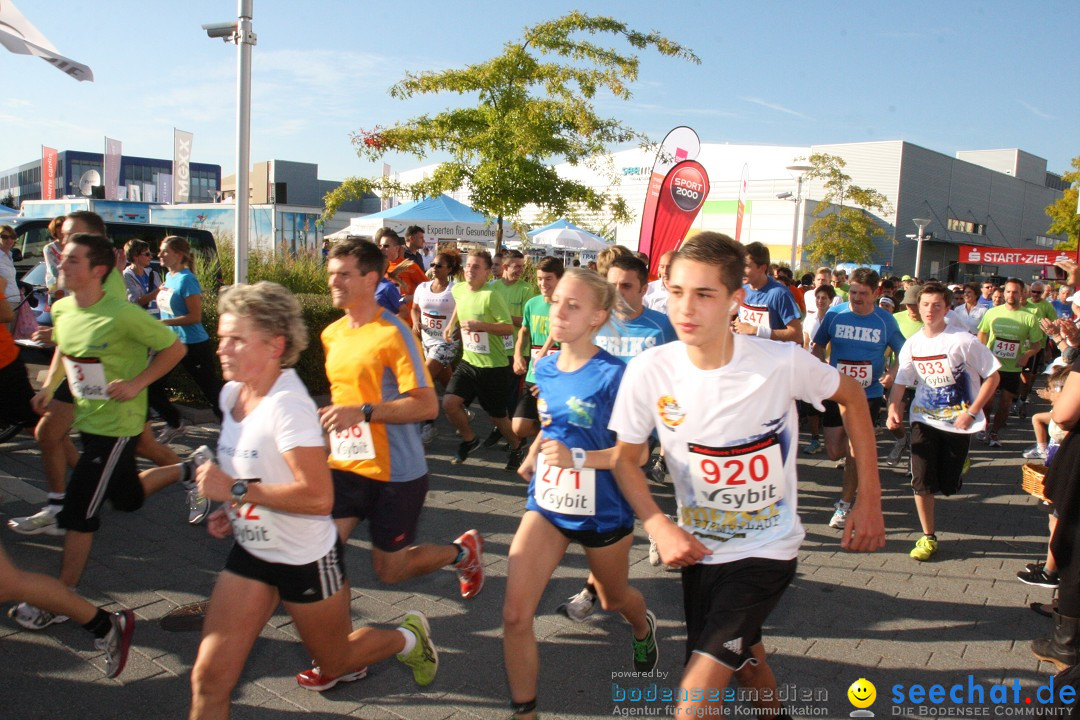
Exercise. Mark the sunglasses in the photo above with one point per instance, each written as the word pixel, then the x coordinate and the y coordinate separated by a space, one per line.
pixel 443 266
pixel 1036 292
pixel 386 247
pixel 7 236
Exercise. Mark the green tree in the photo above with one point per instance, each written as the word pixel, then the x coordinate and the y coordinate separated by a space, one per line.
pixel 529 111
pixel 844 228
pixel 8 201
pixel 1064 219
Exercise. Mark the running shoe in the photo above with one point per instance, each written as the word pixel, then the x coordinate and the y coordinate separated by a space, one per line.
pixel 813 447
pixel 43 521
pixel 493 438
pixel 517 456
pixel 1035 565
pixel 428 433
pixel 654 553
pixel 117 642
pixel 580 606
pixel 463 450
pixel 314 680
pixel 897 451
pixel 839 517
pixel 202 454
pixel 646 652
pixel 925 548
pixel 198 506
pixel 981 435
pixel 1039 577
pixel 657 470
pixel 169 433
pixel 992 440
pixel 471 568
pixel 34 618
pixel 424 658
pixel 1021 408
pixel 1035 453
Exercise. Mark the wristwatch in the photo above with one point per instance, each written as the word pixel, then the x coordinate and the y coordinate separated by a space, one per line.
pixel 367 409
pixel 239 491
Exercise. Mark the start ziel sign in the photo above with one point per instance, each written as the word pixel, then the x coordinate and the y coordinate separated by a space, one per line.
pixel 1010 256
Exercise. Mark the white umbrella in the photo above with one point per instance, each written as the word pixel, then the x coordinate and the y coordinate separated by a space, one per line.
pixel 568 238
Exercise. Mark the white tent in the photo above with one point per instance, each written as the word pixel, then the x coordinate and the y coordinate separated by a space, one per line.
pixel 442 218
pixel 564 235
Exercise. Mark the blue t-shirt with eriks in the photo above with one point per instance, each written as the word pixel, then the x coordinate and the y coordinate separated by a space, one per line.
pixel 772 300
pixel 1064 310
pixel 626 339
pixel 859 343
pixel 172 302
pixel 574 408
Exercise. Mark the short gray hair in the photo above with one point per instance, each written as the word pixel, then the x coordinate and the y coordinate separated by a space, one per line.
pixel 273 310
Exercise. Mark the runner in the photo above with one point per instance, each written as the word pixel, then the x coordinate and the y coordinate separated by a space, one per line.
pixel 572 493
pixel 16 409
pixel 824 294
pixel 380 391
pixel 516 292
pixel 1038 303
pixel 768 309
pixel 656 296
pixel 112 631
pixel 286 549
pixel 484 319
pixel 433 305
pixel 858 334
pixel 737 543
pixel 954 377
pixel 402 271
pixel 531 341
pixel 1013 336
pixel 634 328
pixel 102 343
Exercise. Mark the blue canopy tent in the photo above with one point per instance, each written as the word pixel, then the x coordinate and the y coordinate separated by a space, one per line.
pixel 442 217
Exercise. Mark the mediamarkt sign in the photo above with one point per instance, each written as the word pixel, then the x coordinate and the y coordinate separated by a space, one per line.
pixel 1010 256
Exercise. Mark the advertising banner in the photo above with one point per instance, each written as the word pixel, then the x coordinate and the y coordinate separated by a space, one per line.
pixel 112 169
pixel 1011 256
pixel 680 144
pixel 19 35
pixel 181 191
pixel 682 193
pixel 743 191
pixel 164 188
pixel 48 173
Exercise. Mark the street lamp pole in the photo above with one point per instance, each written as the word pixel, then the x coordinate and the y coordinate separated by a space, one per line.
pixel 799 171
pixel 921 223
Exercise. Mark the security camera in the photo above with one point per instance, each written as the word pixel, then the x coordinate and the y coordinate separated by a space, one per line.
pixel 223 30
pixel 783 196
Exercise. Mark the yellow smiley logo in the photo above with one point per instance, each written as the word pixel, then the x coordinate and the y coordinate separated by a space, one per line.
pixel 862 693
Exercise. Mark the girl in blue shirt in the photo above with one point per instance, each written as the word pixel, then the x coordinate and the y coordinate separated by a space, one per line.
pixel 573 496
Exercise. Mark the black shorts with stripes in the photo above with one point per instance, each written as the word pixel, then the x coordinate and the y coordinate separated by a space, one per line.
pixel 308 583
pixel 106 471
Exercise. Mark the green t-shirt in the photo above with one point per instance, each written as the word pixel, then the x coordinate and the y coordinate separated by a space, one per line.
pixel 537 323
pixel 1012 333
pixel 908 325
pixel 107 341
pixel 516 296
pixel 486 305
pixel 841 291
pixel 1042 309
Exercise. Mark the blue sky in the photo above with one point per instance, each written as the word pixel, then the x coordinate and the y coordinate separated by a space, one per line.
pixel 945 75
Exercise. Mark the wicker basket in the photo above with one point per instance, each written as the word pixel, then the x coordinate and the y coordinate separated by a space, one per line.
pixel 1032 480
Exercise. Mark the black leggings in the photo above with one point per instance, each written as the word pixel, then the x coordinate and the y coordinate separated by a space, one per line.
pixel 199 362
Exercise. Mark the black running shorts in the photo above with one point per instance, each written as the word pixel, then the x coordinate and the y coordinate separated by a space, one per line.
pixel 937 460
pixel 832 412
pixel 392 509
pixel 490 386
pixel 308 583
pixel 106 470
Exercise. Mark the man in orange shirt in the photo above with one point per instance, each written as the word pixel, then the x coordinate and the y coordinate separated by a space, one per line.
pixel 400 270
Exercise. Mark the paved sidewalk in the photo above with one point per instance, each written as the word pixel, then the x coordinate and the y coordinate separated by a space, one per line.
pixel 883 616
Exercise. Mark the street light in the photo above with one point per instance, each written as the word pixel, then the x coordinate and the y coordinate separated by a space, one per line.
pixel 240 33
pixel 799 171
pixel 921 223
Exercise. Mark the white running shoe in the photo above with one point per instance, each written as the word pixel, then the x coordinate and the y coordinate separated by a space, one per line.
pixel 839 518
pixel 428 433
pixel 654 553
pixel 34 618
pixel 580 606
pixel 43 521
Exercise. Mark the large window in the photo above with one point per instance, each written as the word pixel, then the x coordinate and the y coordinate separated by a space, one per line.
pixel 966 226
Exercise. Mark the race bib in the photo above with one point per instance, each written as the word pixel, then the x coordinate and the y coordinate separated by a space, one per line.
pixel 565 490
pixel 86 377
pixel 253 526
pixel 432 323
pixel 754 315
pixel 935 372
pixel 508 341
pixel 535 352
pixel 1005 349
pixel 354 443
pixel 744 478
pixel 476 342
pixel 164 299
pixel 862 371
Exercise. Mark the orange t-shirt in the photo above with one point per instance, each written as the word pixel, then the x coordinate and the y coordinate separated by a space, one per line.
pixel 407 275
pixel 8 349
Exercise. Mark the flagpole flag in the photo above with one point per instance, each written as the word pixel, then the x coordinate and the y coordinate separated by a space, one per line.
pixel 112 169
pixel 682 193
pixel 682 143
pixel 48 173
pixel 19 36
pixel 744 191
pixel 181 174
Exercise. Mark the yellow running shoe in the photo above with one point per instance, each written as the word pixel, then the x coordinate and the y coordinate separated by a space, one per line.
pixel 925 548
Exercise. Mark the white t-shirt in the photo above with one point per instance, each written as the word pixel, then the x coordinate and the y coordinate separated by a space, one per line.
pixel 970 319
pixel 252 448
pixel 656 296
pixel 946 371
pixel 435 310
pixel 730 437
pixel 810 325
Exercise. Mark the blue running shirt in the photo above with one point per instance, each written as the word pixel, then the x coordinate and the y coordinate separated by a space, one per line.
pixel 626 339
pixel 772 306
pixel 859 343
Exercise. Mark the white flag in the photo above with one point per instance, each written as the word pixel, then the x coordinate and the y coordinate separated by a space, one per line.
pixel 18 35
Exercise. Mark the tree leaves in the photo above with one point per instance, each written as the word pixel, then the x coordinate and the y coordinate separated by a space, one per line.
pixel 1064 219
pixel 842 233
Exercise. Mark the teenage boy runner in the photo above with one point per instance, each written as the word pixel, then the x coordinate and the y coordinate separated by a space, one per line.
pixel 380 391
pixel 102 343
pixel 768 309
pixel 531 340
pixel 859 332
pixel 946 364
pixel 516 292
pixel 1014 337
pixel 724 407
pixel 482 373
pixel 637 328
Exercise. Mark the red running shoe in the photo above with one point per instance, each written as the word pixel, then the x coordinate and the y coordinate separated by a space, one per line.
pixel 471 568
pixel 313 679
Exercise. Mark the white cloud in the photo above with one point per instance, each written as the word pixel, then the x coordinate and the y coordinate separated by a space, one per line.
pixel 775 106
pixel 1036 111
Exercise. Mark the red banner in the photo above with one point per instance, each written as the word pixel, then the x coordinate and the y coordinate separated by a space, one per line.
pixel 682 194
pixel 744 188
pixel 48 173
pixel 1010 256
pixel 680 144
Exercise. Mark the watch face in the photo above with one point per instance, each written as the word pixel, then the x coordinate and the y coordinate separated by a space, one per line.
pixel 239 488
